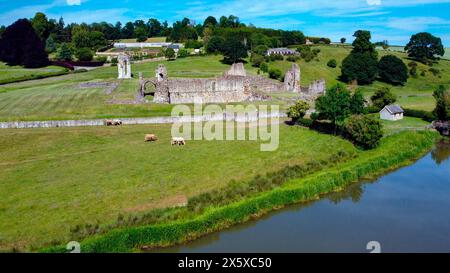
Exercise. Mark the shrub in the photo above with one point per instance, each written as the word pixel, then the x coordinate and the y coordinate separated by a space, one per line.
pixel 101 59
pixel 298 110
pixel 264 67
pixel 169 53
pixel 261 49
pixel 427 116
pixel 182 53
pixel 64 53
pixel 383 97
pixel 391 69
pixel 364 131
pixel 84 54
pixel 275 73
pixel 292 59
pixel 257 60
pixel 276 57
pixel 193 44
pixel 332 63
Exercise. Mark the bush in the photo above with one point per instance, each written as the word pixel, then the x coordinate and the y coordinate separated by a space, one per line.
pixel 292 59
pixel 364 131
pixel 84 54
pixel 101 59
pixel 426 116
pixel 298 110
pixel 332 63
pixel 392 70
pixel 169 53
pixel 275 73
pixel 183 53
pixel 257 60
pixel 276 57
pixel 264 67
pixel 193 44
pixel 261 49
pixel 383 97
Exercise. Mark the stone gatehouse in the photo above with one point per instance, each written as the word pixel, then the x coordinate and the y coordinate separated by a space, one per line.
pixel 233 86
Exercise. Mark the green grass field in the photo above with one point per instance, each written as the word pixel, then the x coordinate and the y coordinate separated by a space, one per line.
pixel 18 73
pixel 149 40
pixel 55 179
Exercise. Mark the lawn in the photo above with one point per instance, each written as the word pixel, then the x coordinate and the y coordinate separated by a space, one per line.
pixel 55 179
pixel 149 40
pixel 18 73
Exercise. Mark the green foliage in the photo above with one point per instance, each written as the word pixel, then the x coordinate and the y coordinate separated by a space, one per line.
pixel 343 40
pixel 210 21
pixel 332 63
pixel 292 58
pixel 20 45
pixel 382 97
pixel 82 37
pixel 257 60
pixel 50 45
pixel 442 109
pixel 233 50
pixel 193 44
pixel 215 44
pixel 335 104
pixel 261 50
pixel 357 102
pixel 169 53
pixel 362 63
pixel 391 69
pixel 141 34
pixel 298 110
pixel 84 54
pixel 264 67
pixel 424 115
pixel 276 57
pixel 41 25
pixel 182 53
pixel 64 53
pixel 413 69
pixel 424 47
pixel 275 73
pixel 364 131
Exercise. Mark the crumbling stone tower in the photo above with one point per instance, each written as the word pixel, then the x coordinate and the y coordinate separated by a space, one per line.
pixel 162 85
pixel 292 79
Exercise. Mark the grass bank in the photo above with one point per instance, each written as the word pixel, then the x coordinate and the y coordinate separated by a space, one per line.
pixel 395 151
pixel 11 74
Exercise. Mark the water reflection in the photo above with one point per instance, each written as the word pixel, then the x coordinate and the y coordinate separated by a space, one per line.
pixel 441 152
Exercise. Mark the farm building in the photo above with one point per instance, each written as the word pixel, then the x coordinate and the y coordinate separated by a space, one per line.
pixel 281 51
pixel 392 112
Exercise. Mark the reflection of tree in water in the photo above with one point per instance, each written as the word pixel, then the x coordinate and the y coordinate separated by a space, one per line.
pixel 441 152
pixel 353 192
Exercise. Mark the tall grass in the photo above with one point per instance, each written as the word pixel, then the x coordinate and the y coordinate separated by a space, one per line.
pixel 395 151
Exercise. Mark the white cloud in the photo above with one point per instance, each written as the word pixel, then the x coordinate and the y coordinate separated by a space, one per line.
pixel 73 2
pixel 374 2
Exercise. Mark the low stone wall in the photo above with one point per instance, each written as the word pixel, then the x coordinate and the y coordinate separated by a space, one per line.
pixel 134 121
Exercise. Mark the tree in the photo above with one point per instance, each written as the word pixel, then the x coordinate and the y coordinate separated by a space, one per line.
pixel 257 60
pixel 383 97
pixel 182 53
pixel 364 131
pixel 141 34
pixel 215 44
pixel 2 29
pixel 128 30
pixel 275 73
pixel 210 21
pixel 362 63
pixel 343 40
pixel 233 50
pixel 332 63
pixel 154 27
pixel 41 25
pixel 334 105
pixel 298 110
pixel 357 102
pixel 391 69
pixel 20 45
pixel 84 54
pixel 442 97
pixel 64 53
pixel 264 67
pixel 261 50
pixel 50 45
pixel 170 53
pixel 424 47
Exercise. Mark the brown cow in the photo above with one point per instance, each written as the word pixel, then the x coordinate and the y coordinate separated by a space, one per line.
pixel 150 138
pixel 108 122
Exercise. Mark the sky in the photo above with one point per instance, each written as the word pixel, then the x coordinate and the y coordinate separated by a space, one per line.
pixel 392 20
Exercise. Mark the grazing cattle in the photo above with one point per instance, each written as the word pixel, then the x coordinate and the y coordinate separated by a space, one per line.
pixel 178 141
pixel 108 122
pixel 117 122
pixel 150 138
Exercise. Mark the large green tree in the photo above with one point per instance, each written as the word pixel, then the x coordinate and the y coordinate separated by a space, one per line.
pixel 383 97
pixel 41 25
pixel 362 62
pixel 335 104
pixel 423 46
pixel 391 69
pixel 20 45
pixel 234 50
pixel 364 131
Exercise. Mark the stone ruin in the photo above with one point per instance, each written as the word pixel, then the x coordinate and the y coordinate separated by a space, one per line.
pixel 124 66
pixel 233 86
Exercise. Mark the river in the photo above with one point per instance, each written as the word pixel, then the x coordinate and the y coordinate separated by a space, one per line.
pixel 404 211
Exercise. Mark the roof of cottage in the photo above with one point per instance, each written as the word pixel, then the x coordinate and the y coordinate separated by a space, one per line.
pixel 394 109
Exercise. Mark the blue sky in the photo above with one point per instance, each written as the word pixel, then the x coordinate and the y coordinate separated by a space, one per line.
pixel 393 20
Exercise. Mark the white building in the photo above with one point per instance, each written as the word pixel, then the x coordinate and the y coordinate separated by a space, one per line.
pixel 392 112
pixel 281 51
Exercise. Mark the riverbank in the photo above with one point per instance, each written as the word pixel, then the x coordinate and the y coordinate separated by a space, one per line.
pixel 394 152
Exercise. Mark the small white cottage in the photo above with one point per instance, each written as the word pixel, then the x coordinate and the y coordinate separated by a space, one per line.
pixel 392 112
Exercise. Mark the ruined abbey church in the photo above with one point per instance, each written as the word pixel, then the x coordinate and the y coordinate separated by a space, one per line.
pixel 233 86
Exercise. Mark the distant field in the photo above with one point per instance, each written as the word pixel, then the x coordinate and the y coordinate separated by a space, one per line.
pixel 18 73
pixel 402 49
pixel 149 40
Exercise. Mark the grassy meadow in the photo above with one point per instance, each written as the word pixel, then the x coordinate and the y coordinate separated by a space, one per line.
pixel 10 74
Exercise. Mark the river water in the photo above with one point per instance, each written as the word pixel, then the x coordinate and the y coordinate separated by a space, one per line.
pixel 404 211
